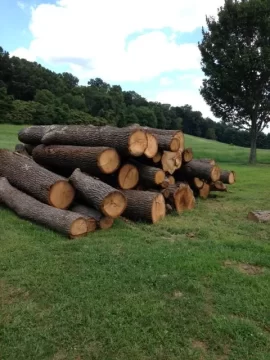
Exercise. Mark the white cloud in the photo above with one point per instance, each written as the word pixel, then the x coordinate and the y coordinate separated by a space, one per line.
pixel 165 81
pixel 24 54
pixel 95 33
pixel 21 5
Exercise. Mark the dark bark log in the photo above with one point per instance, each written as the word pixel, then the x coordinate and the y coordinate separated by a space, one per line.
pixel 101 196
pixel 144 205
pixel 149 176
pixel 227 177
pixel 201 170
pixel 20 149
pixel 26 207
pixel 208 161
pixel 124 140
pixel 259 216
pixel 103 222
pixel 28 176
pixel 218 186
pixel 33 134
pixel 94 161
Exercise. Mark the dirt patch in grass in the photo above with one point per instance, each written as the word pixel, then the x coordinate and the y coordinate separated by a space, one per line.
pixel 245 268
pixel 10 294
pixel 199 345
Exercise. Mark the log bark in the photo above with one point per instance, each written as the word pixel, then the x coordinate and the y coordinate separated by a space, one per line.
pixel 124 140
pixel 171 161
pixel 259 216
pixel 207 161
pixel 34 134
pixel 201 170
pixel 101 196
pixel 31 178
pixel 144 205
pixel 94 161
pixel 26 207
pixel 187 155
pixel 149 176
pixel 218 186
pixel 174 133
pixel 168 143
pixel 20 149
pixel 227 177
pixel 102 222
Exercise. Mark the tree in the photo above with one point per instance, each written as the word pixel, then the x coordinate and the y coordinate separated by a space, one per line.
pixel 236 62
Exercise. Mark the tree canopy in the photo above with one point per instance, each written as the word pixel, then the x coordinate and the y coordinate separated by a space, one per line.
pixel 32 94
pixel 235 53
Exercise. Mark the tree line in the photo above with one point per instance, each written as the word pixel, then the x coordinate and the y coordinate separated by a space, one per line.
pixel 32 94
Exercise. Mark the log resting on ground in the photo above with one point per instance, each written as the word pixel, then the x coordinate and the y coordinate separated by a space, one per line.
pixel 33 179
pixel 218 186
pixel 144 205
pixel 101 196
pixel 103 222
pixel 181 197
pixel 92 160
pixel 124 140
pixel 227 177
pixel 201 170
pixel 26 207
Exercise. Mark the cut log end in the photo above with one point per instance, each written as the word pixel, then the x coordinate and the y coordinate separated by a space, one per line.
pixel 184 199
pixel 91 225
pixel 159 177
pixel 128 177
pixel 152 147
pixel 231 178
pixel 79 228
pixel 109 161
pixel 157 158
pixel 106 222
pixel 61 194
pixel 158 208
pixel 198 183
pixel 215 173
pixel 114 204
pixel 204 191
pixel 187 155
pixel 175 144
pixel 137 143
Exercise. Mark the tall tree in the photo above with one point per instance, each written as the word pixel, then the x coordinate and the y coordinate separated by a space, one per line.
pixel 235 53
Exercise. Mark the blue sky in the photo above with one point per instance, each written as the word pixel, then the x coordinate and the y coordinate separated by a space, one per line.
pixel 147 46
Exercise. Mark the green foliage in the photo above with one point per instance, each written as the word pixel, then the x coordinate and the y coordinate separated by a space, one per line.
pixel 6 104
pixel 45 97
pixel 210 134
pixel 236 61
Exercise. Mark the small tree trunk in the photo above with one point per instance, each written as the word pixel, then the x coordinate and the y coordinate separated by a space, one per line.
pixel 253 148
pixel 103 222
pixel 103 197
pixel 28 176
pixel 26 207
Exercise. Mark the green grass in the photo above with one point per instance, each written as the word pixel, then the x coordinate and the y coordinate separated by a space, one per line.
pixel 175 290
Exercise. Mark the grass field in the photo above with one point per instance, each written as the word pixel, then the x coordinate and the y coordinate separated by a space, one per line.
pixel 195 286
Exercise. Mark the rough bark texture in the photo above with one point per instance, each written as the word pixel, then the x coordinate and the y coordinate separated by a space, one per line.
pixel 28 176
pixel 96 193
pixel 144 205
pixel 227 177
pixel 103 222
pixel 33 134
pixel 174 133
pixel 259 216
pixel 149 176
pixel 187 155
pixel 20 148
pixel 208 161
pixel 94 161
pixel 125 140
pixel 26 207
pixel 201 170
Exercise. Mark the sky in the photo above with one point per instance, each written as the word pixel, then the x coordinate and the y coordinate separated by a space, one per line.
pixel 149 46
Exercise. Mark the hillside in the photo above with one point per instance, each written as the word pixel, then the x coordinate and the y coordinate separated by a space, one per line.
pixel 201 147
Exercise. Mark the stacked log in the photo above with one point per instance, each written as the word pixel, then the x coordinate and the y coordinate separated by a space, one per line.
pixel 78 178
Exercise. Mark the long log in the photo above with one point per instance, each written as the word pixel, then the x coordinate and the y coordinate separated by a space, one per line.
pixel 228 177
pixel 124 140
pixel 92 160
pixel 144 205
pixel 34 134
pixel 171 161
pixel 102 222
pixel 207 161
pixel 101 196
pixel 26 207
pixel 33 179
pixel 201 170
pixel 259 216
pixel 174 133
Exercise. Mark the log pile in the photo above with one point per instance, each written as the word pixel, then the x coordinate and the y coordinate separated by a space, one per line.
pixel 76 179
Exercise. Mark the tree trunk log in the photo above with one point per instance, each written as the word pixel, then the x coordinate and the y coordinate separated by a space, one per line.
pixel 127 177
pixel 20 149
pixel 26 207
pixel 144 205
pixel 207 161
pixel 94 161
pixel 124 140
pixel 171 161
pixel 227 177
pixel 201 170
pixel 149 176
pixel 259 216
pixel 102 222
pixel 28 176
pixel 218 186
pixel 101 196
pixel 33 135
pixel 187 155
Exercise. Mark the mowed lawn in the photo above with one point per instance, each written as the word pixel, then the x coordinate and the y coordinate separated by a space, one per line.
pixel 195 286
